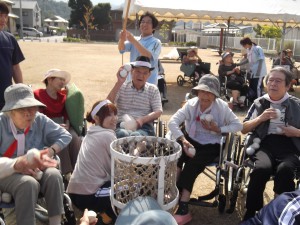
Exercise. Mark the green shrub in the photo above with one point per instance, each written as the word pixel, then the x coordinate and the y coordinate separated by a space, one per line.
pixel 70 39
pixel 191 43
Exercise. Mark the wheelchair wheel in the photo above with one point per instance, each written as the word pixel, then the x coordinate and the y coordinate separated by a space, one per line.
pixel 222 203
pixel 231 187
pixel 69 217
pixel 180 80
pixel 41 212
pixel 233 159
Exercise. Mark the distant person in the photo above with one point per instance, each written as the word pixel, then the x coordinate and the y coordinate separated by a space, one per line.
pixel 144 45
pixel 10 56
pixel 294 70
pixel 235 81
pixel 257 64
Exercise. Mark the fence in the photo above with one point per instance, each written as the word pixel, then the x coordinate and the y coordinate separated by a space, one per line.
pixel 269 45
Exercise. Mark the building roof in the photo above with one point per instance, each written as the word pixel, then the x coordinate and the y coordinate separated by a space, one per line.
pixel 25 5
pixel 11 15
pixel 56 19
pixel 7 1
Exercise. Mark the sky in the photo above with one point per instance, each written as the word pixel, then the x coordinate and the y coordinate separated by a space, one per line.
pixel 112 2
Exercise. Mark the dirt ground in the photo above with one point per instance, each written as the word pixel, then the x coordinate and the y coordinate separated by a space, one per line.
pixel 93 68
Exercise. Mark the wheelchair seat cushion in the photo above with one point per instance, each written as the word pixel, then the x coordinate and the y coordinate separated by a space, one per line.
pixel 187 69
pixel 75 107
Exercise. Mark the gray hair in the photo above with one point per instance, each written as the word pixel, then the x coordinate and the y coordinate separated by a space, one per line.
pixel 288 75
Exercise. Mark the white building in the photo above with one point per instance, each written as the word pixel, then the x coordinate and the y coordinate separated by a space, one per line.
pixel 31 13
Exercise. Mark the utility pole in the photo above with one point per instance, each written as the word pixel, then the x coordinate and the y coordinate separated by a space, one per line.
pixel 21 20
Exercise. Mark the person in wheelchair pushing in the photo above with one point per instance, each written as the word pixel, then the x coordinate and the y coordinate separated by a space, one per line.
pixel 205 118
pixel 23 128
pixel 191 63
pixel 235 80
pixel 274 119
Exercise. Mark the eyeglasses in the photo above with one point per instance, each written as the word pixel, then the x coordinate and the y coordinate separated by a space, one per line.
pixel 276 81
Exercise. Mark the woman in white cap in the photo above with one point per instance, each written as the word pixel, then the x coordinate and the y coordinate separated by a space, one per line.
pixel 54 97
pixel 89 186
pixel 205 117
pixel 23 128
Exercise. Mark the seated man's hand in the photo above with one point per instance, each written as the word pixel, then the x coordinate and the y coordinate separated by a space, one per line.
pixel 290 131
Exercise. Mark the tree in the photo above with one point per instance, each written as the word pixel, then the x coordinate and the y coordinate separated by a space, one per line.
pixel 78 10
pixel 101 13
pixel 164 30
pixel 267 31
pixel 257 29
pixel 87 22
pixel 271 32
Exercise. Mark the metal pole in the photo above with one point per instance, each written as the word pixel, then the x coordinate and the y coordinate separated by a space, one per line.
pixel 282 41
pixel 21 20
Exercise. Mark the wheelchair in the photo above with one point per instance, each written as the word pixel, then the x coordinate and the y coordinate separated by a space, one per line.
pixel 41 213
pixel 192 73
pixel 245 165
pixel 224 174
pixel 225 92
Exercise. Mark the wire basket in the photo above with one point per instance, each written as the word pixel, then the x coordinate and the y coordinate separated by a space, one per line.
pixel 144 166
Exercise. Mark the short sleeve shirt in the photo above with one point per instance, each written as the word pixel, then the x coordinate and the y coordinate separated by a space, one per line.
pixel 137 103
pixel 10 54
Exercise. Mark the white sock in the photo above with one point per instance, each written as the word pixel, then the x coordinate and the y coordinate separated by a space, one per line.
pixel 55 220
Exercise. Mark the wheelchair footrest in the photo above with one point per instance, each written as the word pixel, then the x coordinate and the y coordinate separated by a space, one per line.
pixel 194 201
pixel 209 196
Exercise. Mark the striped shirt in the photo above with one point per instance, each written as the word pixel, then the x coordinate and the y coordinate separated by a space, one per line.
pixel 137 103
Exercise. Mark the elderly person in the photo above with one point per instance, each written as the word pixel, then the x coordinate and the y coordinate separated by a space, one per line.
pixel 202 133
pixel 144 45
pixel 235 81
pixel 191 63
pixel 138 99
pixel 257 64
pixel 54 96
pixel 274 119
pixel 23 128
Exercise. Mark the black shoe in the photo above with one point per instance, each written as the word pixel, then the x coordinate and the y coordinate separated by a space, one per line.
pixel 183 208
pixel 249 214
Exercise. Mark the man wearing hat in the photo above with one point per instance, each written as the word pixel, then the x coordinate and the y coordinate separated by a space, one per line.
pixel 205 117
pixel 23 129
pixel 138 99
pixel 10 55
